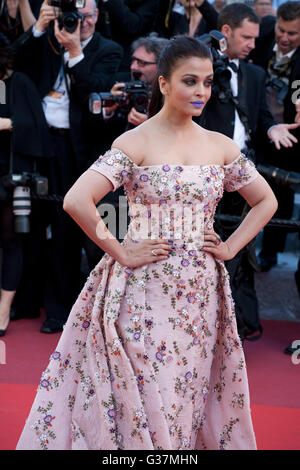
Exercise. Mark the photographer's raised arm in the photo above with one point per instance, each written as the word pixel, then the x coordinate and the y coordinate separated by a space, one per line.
pixel 46 15
pixel 70 41
pixel 127 19
pixel 27 16
pixel 209 13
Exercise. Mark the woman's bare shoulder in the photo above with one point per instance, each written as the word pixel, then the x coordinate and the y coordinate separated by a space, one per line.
pixel 229 149
pixel 132 143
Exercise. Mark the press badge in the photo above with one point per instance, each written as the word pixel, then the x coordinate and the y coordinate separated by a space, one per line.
pixel 56 96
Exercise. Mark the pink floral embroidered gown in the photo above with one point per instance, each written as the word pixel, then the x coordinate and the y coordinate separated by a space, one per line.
pixel 150 358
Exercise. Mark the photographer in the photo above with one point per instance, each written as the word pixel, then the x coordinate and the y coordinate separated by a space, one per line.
pixel 278 52
pixel 238 109
pixel 145 53
pixel 24 144
pixel 67 64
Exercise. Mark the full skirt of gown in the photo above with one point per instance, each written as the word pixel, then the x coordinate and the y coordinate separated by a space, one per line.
pixel 150 358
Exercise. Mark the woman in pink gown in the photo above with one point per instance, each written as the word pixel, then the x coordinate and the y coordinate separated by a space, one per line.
pixel 150 357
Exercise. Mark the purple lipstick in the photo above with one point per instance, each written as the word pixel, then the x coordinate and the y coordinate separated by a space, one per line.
pixel 197 104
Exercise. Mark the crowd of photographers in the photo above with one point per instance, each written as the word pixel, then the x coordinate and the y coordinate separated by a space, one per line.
pixel 79 73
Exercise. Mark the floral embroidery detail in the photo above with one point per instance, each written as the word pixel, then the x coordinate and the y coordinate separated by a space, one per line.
pixel 112 160
pixel 76 432
pixel 56 355
pixel 226 433
pixel 238 400
pixel 43 426
pixel 238 173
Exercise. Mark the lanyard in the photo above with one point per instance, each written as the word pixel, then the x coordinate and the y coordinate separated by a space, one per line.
pixel 61 76
pixel 281 70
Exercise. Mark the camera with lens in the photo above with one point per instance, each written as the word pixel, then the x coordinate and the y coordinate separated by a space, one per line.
pixel 217 43
pixel 22 184
pixel 280 87
pixel 135 95
pixel 280 176
pixel 70 16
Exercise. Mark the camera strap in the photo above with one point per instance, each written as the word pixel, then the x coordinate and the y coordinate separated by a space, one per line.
pixel 242 115
pixel 279 70
pixel 65 75
pixel 11 158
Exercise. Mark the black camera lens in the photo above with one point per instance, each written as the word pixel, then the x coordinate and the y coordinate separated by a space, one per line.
pixel 70 22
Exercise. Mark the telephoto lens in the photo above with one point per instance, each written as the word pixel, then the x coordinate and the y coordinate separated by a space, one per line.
pixel 21 209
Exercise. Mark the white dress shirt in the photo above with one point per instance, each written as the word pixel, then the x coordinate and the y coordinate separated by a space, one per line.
pixel 239 132
pixel 282 58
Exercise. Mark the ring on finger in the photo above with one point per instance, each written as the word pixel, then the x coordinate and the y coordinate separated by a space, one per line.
pixel 217 241
pixel 154 252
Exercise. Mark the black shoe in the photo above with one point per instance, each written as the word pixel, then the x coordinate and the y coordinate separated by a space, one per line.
pixel 51 325
pixel 290 350
pixel 267 262
pixel 3 332
pixel 17 315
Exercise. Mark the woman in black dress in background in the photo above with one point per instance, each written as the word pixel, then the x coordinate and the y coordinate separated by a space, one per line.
pixel 23 137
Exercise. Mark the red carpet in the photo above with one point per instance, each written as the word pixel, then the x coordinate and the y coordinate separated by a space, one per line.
pixel 273 379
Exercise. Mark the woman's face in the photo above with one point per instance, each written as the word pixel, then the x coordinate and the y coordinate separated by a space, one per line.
pixel 189 86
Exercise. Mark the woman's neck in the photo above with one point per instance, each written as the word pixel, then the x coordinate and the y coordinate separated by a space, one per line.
pixel 172 120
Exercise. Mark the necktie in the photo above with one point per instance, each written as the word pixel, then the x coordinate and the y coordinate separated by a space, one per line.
pixel 233 66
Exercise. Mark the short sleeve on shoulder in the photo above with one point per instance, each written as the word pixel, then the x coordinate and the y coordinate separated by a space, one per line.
pixel 116 166
pixel 239 173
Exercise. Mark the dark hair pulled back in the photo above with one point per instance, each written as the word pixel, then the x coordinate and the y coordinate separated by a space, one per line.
pixel 178 49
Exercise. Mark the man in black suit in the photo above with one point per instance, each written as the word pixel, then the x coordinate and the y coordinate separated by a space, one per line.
pixel 278 52
pixel 240 25
pixel 66 68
